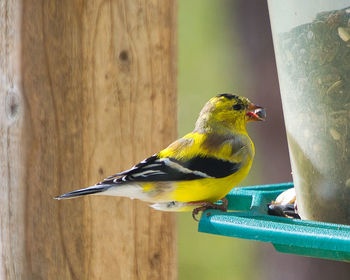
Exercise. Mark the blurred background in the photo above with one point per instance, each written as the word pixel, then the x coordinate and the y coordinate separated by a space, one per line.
pixel 226 46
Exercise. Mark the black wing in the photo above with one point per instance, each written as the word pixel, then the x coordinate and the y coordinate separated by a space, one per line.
pixel 171 169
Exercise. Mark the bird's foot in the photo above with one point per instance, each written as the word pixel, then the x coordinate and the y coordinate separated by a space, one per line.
pixel 285 205
pixel 204 205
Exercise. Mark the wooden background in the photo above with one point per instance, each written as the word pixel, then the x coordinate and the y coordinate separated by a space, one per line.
pixel 87 89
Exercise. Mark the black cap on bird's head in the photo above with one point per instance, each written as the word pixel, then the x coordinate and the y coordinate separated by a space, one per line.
pixel 229 111
pixel 228 96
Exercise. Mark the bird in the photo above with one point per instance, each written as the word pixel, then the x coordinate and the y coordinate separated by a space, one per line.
pixel 285 205
pixel 195 172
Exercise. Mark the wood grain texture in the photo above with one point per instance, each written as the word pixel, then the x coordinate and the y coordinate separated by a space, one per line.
pixel 89 89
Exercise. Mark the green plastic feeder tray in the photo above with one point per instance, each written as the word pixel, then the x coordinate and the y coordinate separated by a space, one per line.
pixel 248 219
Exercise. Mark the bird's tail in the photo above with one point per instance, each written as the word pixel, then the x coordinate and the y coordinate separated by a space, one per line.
pixel 90 190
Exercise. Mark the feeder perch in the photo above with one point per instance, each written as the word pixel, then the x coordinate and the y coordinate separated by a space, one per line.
pixel 247 218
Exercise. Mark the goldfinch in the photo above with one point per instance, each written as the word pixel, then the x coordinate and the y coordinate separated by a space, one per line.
pixel 196 170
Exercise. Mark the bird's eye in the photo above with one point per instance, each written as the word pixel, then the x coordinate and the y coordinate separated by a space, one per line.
pixel 237 107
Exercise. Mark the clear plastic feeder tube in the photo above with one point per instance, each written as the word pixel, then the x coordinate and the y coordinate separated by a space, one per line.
pixel 312 48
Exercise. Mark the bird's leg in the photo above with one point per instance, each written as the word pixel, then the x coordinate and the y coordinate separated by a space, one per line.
pixel 204 205
pixel 224 204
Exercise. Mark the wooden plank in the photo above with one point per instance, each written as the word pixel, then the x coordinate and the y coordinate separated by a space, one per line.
pixel 12 165
pixel 95 92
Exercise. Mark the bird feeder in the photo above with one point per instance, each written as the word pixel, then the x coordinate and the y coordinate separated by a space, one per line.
pixel 248 219
pixel 312 48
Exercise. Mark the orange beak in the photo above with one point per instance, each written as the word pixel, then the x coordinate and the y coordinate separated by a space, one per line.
pixel 255 113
